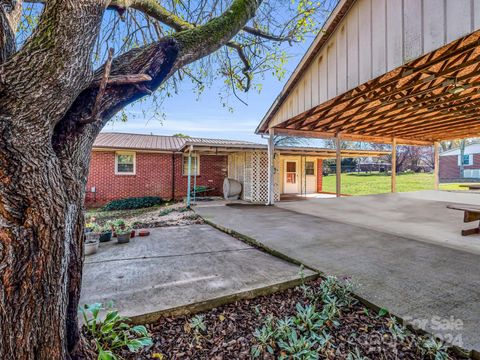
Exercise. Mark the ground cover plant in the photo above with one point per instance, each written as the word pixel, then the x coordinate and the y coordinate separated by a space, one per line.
pixel 134 203
pixel 377 183
pixel 165 215
pixel 317 320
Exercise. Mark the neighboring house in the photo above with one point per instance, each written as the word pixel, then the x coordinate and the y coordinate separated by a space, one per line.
pixel 131 165
pixel 450 162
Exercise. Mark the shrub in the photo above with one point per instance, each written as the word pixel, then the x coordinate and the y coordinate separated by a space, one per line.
pixel 112 332
pixel 133 203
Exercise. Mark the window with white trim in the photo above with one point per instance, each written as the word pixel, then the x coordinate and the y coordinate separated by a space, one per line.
pixel 309 168
pixel 467 159
pixel 195 165
pixel 125 163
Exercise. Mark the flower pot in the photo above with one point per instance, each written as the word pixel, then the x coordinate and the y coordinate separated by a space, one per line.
pixel 91 248
pixel 106 236
pixel 132 234
pixel 143 233
pixel 123 238
pixel 91 243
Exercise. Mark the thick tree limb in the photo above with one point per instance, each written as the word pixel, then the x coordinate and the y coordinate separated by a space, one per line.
pixel 123 80
pixel 103 86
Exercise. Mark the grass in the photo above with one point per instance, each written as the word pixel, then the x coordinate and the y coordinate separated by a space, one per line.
pixel 377 183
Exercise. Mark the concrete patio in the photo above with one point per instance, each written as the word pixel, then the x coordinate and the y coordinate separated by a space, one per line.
pixel 179 266
pixel 404 251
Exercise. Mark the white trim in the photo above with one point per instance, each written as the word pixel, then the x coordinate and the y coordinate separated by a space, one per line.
pixel 134 162
pixel 285 176
pixel 470 160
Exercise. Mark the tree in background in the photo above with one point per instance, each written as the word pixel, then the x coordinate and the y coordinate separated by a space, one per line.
pixel 66 68
pixel 180 135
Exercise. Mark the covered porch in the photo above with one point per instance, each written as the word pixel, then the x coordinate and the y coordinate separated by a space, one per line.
pixel 297 171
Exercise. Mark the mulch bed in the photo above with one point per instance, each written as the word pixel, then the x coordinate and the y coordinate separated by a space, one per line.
pixel 230 328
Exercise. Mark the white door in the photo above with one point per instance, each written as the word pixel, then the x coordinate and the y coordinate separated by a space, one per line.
pixel 291 177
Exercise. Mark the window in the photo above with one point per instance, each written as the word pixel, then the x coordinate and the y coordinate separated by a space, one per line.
pixel 125 163
pixel 195 165
pixel 309 168
pixel 467 160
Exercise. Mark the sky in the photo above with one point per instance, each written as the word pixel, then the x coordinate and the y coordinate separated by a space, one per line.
pixel 206 116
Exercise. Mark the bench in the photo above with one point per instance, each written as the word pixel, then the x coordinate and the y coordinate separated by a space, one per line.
pixel 471 213
pixel 471 186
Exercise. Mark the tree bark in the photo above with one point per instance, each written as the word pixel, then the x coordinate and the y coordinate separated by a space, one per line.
pixel 46 136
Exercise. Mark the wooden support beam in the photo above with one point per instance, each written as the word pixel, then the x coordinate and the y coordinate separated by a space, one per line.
pixel 394 165
pixel 350 137
pixel 338 167
pixel 436 166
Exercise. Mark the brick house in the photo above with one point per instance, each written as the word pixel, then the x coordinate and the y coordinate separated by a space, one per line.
pixel 131 165
pixel 450 163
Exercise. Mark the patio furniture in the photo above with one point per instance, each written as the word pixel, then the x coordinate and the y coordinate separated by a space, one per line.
pixel 471 213
pixel 471 186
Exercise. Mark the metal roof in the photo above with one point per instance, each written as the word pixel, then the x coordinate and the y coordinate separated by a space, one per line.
pixel 113 140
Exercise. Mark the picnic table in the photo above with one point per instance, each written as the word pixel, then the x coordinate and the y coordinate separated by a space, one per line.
pixel 471 186
pixel 470 213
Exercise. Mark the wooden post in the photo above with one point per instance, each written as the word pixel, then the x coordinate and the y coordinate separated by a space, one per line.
pixel 271 168
pixel 394 165
pixel 338 166
pixel 436 166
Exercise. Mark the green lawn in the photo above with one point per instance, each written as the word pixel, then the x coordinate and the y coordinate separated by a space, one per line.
pixel 377 183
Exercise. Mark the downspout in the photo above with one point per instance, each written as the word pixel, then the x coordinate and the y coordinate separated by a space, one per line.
pixel 173 176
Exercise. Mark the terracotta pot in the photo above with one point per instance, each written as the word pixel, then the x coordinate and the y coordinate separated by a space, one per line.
pixel 143 233
pixel 132 234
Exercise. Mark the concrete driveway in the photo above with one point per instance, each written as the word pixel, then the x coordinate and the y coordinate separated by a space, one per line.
pixel 174 267
pixel 423 282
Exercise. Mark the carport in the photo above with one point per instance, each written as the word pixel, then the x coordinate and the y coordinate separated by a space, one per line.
pixel 389 74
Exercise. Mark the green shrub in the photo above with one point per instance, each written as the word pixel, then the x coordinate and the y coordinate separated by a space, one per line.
pixel 133 203
pixel 112 332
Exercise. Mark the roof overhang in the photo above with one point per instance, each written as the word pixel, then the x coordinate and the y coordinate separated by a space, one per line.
pixel 432 98
pixel 282 150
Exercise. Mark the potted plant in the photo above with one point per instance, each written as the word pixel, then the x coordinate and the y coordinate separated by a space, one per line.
pixel 116 225
pixel 89 227
pixel 106 233
pixel 92 237
pixel 123 235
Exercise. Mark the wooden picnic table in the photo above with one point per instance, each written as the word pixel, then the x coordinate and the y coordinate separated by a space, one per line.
pixel 471 213
pixel 471 186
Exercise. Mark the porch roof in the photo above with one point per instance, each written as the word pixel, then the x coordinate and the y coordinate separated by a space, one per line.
pixel 432 98
pixel 324 153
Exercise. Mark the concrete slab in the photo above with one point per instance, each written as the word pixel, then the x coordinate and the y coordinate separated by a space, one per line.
pixel 418 281
pixel 421 215
pixel 178 266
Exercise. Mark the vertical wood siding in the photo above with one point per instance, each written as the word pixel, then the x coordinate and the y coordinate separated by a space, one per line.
pixel 374 37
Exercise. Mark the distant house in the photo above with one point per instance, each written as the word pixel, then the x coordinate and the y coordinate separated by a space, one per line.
pixel 451 160
pixel 132 165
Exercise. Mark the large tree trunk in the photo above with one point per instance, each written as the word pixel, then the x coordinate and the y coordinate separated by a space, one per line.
pixel 48 93
pixel 41 236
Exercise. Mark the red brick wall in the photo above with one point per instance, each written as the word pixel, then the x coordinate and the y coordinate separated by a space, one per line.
pixel 319 175
pixel 153 176
pixel 449 168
